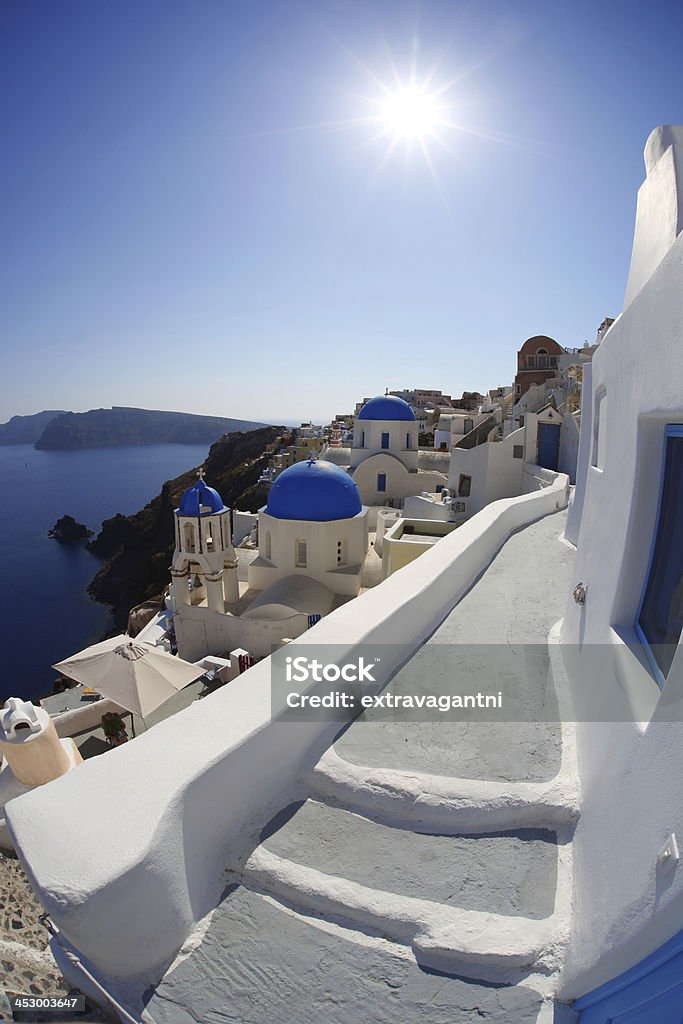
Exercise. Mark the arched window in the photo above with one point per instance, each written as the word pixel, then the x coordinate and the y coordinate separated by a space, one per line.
pixel 188 537
pixel 542 358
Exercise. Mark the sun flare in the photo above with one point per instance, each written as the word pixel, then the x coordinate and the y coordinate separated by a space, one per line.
pixel 410 113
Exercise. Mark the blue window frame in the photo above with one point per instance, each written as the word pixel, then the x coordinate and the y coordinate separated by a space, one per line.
pixel 385 440
pixel 381 481
pixel 660 616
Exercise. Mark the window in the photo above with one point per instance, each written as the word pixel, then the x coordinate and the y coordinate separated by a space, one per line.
pixel 553 360
pixel 464 486
pixel 407 440
pixel 518 451
pixel 362 439
pixel 531 362
pixel 341 552
pixel 660 618
pixel 468 425
pixel 267 546
pixel 381 482
pixel 385 440
pixel 300 560
pixel 542 358
pixel 188 535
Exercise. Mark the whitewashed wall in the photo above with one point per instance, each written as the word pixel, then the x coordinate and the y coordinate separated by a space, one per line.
pixel 575 512
pixel 201 632
pixel 367 440
pixel 400 482
pixel 321 539
pixel 242 525
pixel 631 773
pixel 495 472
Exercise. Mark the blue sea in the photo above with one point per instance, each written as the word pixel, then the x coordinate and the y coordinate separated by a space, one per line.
pixel 45 612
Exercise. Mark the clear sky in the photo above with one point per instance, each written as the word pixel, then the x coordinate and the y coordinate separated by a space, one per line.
pixel 205 207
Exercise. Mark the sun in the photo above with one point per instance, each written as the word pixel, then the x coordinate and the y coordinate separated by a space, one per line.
pixel 410 113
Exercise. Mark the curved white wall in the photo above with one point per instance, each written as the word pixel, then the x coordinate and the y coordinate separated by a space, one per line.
pixel 630 770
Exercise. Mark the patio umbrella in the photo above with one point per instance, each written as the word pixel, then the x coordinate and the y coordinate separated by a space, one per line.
pixel 138 676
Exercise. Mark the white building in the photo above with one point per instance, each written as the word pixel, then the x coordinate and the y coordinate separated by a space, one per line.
pixel 204 563
pixel 313 538
pixel 622 630
pixel 453 426
pixel 314 525
pixel 384 455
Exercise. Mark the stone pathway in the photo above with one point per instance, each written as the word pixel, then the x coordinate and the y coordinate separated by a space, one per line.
pixel 26 964
pixel 425 873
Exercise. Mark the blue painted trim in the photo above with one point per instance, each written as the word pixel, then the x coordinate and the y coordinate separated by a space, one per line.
pixel 671 430
pixel 673 947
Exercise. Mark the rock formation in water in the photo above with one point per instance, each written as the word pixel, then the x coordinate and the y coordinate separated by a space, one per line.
pixel 67 531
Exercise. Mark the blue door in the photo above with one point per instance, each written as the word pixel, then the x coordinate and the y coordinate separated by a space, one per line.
pixel 650 993
pixel 548 445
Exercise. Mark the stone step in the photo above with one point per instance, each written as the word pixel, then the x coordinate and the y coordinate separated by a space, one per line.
pixel 438 803
pixel 470 943
pixel 260 963
pixel 509 874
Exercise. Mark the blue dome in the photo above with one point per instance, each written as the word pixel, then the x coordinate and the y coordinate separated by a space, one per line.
pixel 386 407
pixel 316 491
pixel 200 500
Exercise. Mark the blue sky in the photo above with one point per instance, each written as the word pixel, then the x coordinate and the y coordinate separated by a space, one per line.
pixel 187 226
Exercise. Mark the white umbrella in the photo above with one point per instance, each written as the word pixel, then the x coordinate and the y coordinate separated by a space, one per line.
pixel 138 676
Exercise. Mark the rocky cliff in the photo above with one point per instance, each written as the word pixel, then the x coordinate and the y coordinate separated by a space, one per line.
pixel 27 429
pixel 122 426
pixel 138 549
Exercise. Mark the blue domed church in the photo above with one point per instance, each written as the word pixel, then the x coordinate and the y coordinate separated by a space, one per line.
pixel 384 455
pixel 313 539
pixel 204 567
pixel 313 526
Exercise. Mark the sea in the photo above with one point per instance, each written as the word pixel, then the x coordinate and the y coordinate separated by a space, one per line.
pixel 45 612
